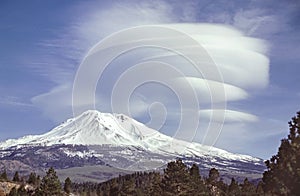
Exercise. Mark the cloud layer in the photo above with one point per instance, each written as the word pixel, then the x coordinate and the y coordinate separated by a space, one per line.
pixel 240 60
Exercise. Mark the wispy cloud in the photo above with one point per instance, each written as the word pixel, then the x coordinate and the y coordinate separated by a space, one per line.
pixel 13 101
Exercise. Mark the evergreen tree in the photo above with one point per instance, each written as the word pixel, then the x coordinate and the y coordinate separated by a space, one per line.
pixel 32 179
pixel 259 189
pixel 196 184
pixel 283 174
pixel 114 188
pixel 154 187
pixel 195 173
pixel 234 188
pixel 248 188
pixel 213 176
pixel 67 185
pixel 50 184
pixel 16 177
pixel 212 181
pixel 222 187
pixel 128 187
pixel 3 176
pixel 175 179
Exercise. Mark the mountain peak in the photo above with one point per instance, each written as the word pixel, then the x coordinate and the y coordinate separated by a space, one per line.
pixel 92 113
pixel 95 128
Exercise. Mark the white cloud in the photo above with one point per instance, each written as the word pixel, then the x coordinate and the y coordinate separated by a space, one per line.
pixel 237 58
pixel 230 116
pixel 205 90
pixel 242 62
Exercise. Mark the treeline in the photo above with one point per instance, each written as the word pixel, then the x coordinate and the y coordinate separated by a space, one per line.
pixel 281 178
pixel 177 179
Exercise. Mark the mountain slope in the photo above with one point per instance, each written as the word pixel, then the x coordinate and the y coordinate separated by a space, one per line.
pixel 95 128
pixel 116 141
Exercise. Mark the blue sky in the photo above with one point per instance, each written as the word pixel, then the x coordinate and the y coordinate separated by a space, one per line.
pixel 42 44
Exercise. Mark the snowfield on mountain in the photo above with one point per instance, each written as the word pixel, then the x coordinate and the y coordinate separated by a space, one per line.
pixel 95 128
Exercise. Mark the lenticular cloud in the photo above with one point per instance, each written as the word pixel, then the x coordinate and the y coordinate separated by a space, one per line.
pixel 203 65
pixel 237 66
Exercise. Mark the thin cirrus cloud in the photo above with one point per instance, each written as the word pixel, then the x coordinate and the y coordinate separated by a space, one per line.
pixel 13 101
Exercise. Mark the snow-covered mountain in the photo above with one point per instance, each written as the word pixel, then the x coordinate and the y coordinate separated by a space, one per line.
pixel 95 128
pixel 115 140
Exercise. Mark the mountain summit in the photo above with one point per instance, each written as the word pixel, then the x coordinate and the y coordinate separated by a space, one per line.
pixel 115 141
pixel 95 128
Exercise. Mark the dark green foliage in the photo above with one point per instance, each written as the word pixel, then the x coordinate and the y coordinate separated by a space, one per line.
pixel 182 179
pixel 114 187
pixel 214 184
pixel 50 184
pixel 3 176
pixel 32 179
pixel 196 185
pixel 283 174
pixel 175 179
pixel 67 185
pixel 213 176
pixel 128 186
pixel 222 187
pixel 154 182
pixel 234 188
pixel 248 188
pixel 16 177
pixel 259 189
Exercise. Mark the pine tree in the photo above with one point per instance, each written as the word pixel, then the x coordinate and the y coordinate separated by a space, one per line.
pixel 50 184
pixel 248 188
pixel 234 188
pixel 114 188
pixel 196 184
pixel 175 179
pixel 212 181
pixel 259 188
pixel 16 177
pixel 67 185
pixel 153 187
pixel 222 187
pixel 283 174
pixel 3 176
pixel 32 179
pixel 213 176
pixel 128 187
